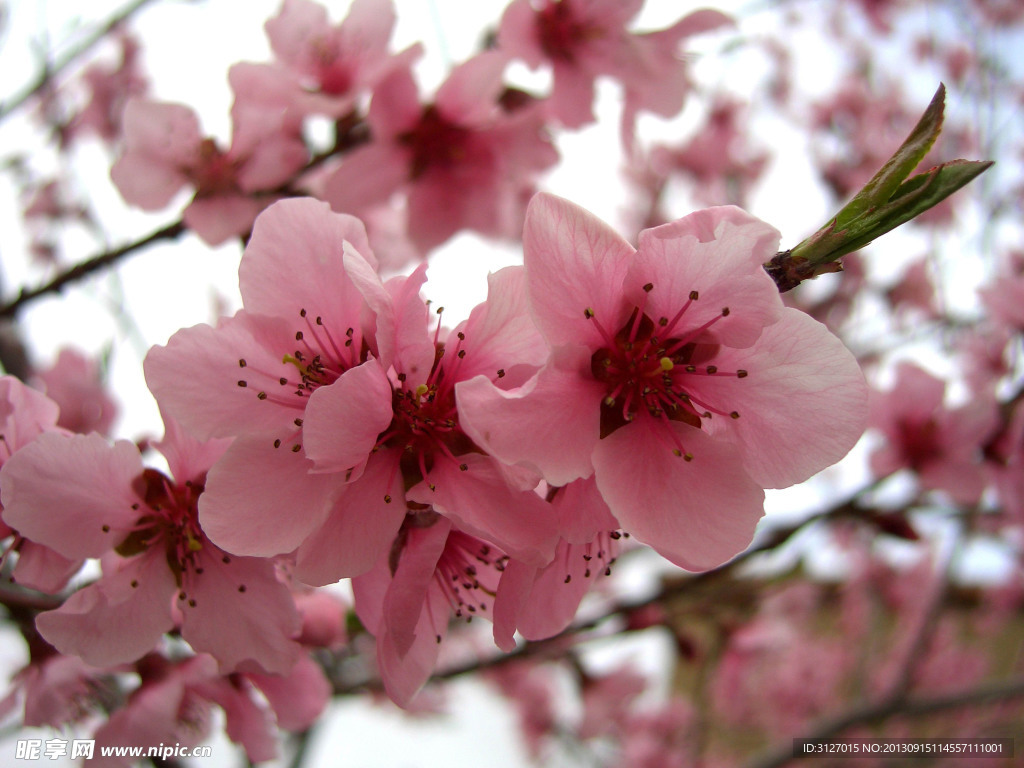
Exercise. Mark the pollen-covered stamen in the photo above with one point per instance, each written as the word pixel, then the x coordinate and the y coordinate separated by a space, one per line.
pixel 597 555
pixel 319 358
pixel 467 573
pixel 168 519
pixel 424 426
pixel 646 365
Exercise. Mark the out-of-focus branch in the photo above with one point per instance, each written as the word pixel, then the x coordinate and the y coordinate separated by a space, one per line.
pixel 50 71
pixel 897 706
pixel 77 272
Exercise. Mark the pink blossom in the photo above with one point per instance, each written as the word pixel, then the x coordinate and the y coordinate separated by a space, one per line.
pixel 351 417
pixel 583 39
pixel 394 420
pixel 941 445
pixel 464 161
pixel 174 700
pixel 87 498
pixel 25 415
pixel 673 377
pixel 323 68
pixel 165 151
pixel 109 87
pixel 57 691
pixel 75 383
pixel 252 376
pixel 540 601
pixel 432 573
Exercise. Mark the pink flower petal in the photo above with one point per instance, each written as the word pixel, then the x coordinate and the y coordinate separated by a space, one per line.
pixel 261 500
pixel 550 424
pixel 358 531
pixel 718 253
pixel 344 419
pixel 209 379
pixel 698 513
pixel 294 262
pixel 117 619
pixel 218 218
pixel 41 568
pixel 72 493
pixel 297 698
pixel 242 615
pixel 574 262
pixel 480 502
pixel 801 408
pixel 413 582
pixel 469 96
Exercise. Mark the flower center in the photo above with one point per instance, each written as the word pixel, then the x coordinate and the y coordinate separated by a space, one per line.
pixel 435 142
pixel 649 367
pixel 169 517
pixel 425 421
pixel 319 358
pixel 560 32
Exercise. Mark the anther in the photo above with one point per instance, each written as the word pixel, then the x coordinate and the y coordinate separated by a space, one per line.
pixel 298 422
pixel 649 287
pixel 302 313
pixel 282 381
pixel 226 560
pixel 241 363
pixel 588 313
pixel 296 448
pixel 106 529
pixel 261 396
pixel 135 583
pixel 694 295
pixel 242 383
pixel 298 335
pixel 712 369
pixel 319 320
pixel 277 443
pixel 734 415
pixel 387 498
pixel 465 467
pixel 501 373
pixel 241 588
pixel 725 311
pixel 687 457
pixel 741 374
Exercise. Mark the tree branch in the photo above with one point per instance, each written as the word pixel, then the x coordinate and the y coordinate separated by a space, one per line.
pixel 77 272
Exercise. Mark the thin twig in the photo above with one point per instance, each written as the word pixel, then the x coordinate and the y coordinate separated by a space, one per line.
pixel 77 272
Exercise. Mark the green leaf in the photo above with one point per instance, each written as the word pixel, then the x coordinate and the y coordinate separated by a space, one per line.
pixel 891 175
pixel 913 197
pixel 884 203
